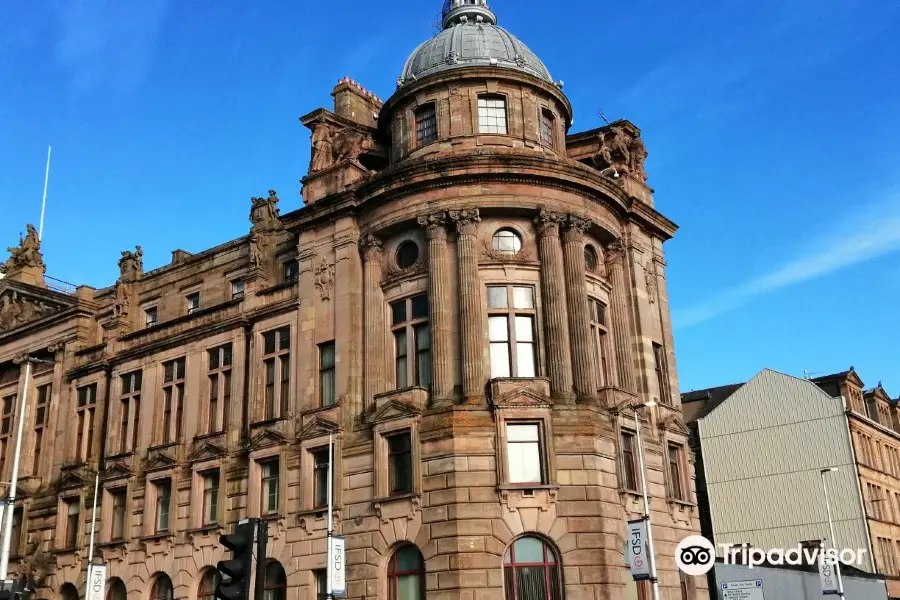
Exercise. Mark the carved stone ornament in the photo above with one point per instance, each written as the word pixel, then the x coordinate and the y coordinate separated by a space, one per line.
pixel 264 211
pixel 454 90
pixel 524 255
pixel 26 254
pixel 638 152
pixel 131 265
pixel 620 152
pixel 325 279
pixel 650 280
pixel 321 148
pixel 548 222
pixel 331 146
pixel 16 310
pixel 614 253
pixel 575 228
pixel 258 245
pixel 371 248
pixel 417 268
pixel 35 565
pixel 434 224
pixel 122 299
pixel 466 220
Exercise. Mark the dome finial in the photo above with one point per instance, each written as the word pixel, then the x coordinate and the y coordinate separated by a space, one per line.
pixel 476 11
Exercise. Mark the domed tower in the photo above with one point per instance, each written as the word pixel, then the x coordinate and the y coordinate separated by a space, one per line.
pixel 494 291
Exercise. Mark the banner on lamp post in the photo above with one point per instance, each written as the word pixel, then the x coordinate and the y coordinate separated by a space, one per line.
pixel 638 550
pixel 96 583
pixel 828 573
pixel 337 580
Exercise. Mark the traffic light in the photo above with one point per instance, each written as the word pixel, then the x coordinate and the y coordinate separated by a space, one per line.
pixel 237 570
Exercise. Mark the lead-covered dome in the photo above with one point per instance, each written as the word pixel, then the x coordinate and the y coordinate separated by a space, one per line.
pixel 471 38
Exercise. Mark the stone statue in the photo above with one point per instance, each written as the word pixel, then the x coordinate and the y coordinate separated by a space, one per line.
pixel 10 312
pixel 349 144
pixel 35 567
pixel 322 150
pixel 614 150
pixel 256 251
pixel 638 153
pixel 26 254
pixel 264 211
pixel 120 304
pixel 131 265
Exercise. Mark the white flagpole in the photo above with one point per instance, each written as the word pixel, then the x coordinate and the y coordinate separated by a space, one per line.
pixel 44 201
pixel 328 574
pixel 94 518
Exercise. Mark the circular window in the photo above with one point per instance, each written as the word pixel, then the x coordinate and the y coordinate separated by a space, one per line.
pixel 590 258
pixel 407 254
pixel 507 241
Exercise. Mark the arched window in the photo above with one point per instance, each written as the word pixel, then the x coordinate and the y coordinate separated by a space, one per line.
pixel 276 581
pixel 406 574
pixel 531 571
pixel 207 590
pixel 506 241
pixel 68 592
pixel 116 589
pixel 162 588
pixel 591 260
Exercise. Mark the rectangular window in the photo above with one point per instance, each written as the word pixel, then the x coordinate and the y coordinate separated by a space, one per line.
pixel 291 271
pixel 676 477
pixel 321 576
pixel 320 477
pixel 277 364
pixel 130 404
pixel 491 114
pixel 523 453
pixel 211 498
pixel 151 316
pixel 268 501
pixel 118 498
pixel 87 404
pixel 193 302
pixel 600 341
pixel 662 374
pixel 73 511
pixel 237 289
pixel 412 342
pixel 41 406
pixel 511 317
pixel 173 400
pixel 219 381
pixel 9 403
pixel 163 504
pixel 326 374
pixel 629 466
pixel 399 463
pixel 547 123
pixel 426 124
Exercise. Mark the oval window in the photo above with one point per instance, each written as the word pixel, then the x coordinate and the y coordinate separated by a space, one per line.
pixel 507 241
pixel 590 259
pixel 407 254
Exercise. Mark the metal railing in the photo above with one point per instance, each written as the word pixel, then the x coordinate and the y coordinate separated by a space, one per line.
pixel 58 285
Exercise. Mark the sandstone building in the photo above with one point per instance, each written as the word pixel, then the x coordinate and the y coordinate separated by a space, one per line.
pixel 470 300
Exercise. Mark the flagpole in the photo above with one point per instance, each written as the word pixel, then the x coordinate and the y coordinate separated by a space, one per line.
pixel 44 201
pixel 94 518
pixel 328 568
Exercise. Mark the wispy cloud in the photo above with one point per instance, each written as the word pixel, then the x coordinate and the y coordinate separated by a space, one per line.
pixel 109 44
pixel 874 233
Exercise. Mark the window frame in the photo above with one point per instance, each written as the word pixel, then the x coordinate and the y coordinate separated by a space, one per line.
pixel 130 410
pixel 634 463
pixel 279 589
pixel 112 494
pixel 393 575
pixel 71 522
pixel 277 405
pixel 547 127
pixel 411 329
pixel 391 457
pixel 663 381
pixel 7 417
pixel 484 117
pixel 263 462
pixel 540 442
pixel 676 487
pixel 193 302
pixel 162 504
pixel 219 377
pixel 290 271
pixel 173 389
pixel 85 413
pixel 210 579
pixel 238 289
pixel 210 497
pixel 315 455
pixel 510 313
pixel 550 568
pixel 42 404
pixel 600 341
pixel 327 370
pixel 382 431
pixel 420 118
pixel 151 316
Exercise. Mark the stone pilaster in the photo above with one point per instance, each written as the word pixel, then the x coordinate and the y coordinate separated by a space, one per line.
pixel 372 254
pixel 471 317
pixel 439 308
pixel 553 285
pixel 615 269
pixel 576 303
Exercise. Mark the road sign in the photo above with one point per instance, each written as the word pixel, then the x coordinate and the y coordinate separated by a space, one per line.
pixel 743 590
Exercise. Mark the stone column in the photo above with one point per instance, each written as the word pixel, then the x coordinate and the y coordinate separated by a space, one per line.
pixel 615 270
pixel 576 297
pixel 439 308
pixel 471 317
pixel 553 285
pixel 374 318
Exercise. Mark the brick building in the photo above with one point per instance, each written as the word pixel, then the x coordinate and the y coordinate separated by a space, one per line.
pixel 470 300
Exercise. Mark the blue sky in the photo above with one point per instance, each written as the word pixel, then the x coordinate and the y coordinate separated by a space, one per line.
pixel 772 129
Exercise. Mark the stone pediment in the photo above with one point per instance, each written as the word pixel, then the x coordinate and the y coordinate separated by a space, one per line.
pixel 266 438
pixel 72 480
pixel 206 451
pixel 21 304
pixel 318 427
pixel 674 423
pixel 117 470
pixel 522 398
pixel 160 460
pixel 392 410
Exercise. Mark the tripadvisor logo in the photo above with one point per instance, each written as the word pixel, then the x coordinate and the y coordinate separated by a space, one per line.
pixel 696 555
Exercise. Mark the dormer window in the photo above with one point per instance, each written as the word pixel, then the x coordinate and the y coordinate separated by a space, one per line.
pixel 547 124
pixel 426 124
pixel 492 114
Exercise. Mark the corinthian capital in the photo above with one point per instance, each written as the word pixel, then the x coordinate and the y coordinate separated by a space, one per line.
pixel 435 224
pixel 371 247
pixel 548 222
pixel 614 253
pixel 575 228
pixel 466 220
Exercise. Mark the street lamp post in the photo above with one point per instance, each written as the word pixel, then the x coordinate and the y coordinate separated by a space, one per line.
pixel 14 480
pixel 837 566
pixel 637 427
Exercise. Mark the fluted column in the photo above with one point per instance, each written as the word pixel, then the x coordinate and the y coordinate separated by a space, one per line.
pixel 374 317
pixel 471 317
pixel 615 269
pixel 553 285
pixel 576 302
pixel 439 308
